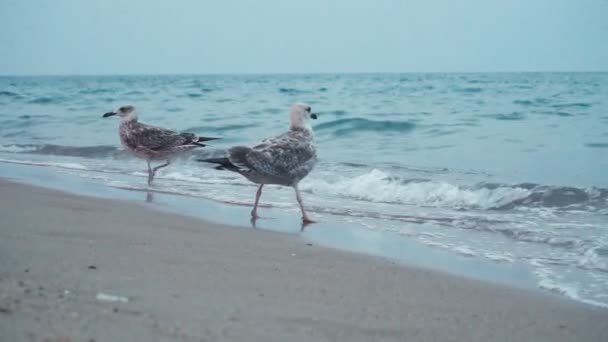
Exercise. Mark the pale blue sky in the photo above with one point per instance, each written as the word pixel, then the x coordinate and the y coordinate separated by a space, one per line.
pixel 229 36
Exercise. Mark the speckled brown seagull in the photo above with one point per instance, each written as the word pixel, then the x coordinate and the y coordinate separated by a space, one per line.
pixel 284 160
pixel 152 143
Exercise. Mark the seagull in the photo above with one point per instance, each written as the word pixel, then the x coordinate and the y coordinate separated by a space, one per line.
pixel 152 143
pixel 284 160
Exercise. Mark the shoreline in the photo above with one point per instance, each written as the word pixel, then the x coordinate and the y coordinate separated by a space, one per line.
pixel 84 267
pixel 329 231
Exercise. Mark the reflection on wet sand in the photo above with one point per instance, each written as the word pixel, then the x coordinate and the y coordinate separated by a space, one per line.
pixel 149 196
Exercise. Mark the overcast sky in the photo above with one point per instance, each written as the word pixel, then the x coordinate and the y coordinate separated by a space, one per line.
pixel 229 36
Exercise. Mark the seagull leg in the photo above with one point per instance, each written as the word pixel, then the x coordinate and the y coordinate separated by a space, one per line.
pixel 305 217
pixel 150 173
pixel 161 166
pixel 258 194
pixel 153 171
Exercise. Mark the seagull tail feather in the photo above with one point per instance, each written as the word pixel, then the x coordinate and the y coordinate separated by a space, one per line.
pixel 201 139
pixel 222 163
pixel 198 141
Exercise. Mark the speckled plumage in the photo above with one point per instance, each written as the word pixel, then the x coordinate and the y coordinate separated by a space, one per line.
pixel 154 143
pixel 284 160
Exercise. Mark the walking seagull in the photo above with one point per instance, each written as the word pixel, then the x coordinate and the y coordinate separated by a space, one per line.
pixel 152 143
pixel 284 160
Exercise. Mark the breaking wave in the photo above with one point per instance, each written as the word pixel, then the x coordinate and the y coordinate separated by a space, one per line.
pixel 379 186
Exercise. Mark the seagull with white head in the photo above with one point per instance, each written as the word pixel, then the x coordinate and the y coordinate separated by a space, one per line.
pixel 284 160
pixel 152 143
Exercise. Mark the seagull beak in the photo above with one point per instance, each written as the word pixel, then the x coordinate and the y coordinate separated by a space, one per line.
pixel 109 114
pixel 313 116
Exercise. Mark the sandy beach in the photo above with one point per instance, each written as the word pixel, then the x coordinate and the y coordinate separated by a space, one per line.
pixel 76 268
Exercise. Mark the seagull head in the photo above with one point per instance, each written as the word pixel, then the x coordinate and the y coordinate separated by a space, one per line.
pixel 298 115
pixel 125 112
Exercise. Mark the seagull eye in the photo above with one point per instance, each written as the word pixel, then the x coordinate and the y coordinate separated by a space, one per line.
pixel 308 109
pixel 122 109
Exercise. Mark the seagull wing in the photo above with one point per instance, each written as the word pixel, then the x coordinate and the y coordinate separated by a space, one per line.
pixel 288 157
pixel 157 138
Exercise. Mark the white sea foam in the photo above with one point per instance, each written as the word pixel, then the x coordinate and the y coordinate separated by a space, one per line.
pixel 200 177
pixel 378 186
pixel 17 148
pixel 554 282
pixel 591 260
pixel 499 257
pixel 72 166
pixel 464 250
pixel 551 285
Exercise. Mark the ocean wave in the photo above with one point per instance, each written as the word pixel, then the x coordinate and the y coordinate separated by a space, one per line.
pixel 8 94
pixel 351 125
pixel 500 257
pixel 97 151
pixel 47 100
pixel 379 186
pixel 96 91
pixel 382 187
pixel 513 116
pixel 18 148
pixel 597 145
pixel 134 92
pixel 23 122
pixel 572 105
pixel 541 237
pixel 438 132
pixel 93 152
pixel 558 113
pixel 337 112
pixel 539 101
pixel 13 133
pixel 33 116
pixel 464 250
pixel 471 90
pixel 562 197
pixel 549 280
pixel 293 91
pixel 594 259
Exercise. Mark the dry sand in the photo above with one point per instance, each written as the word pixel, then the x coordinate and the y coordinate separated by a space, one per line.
pixel 188 280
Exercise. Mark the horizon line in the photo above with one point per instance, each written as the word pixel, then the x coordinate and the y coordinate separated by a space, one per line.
pixel 303 73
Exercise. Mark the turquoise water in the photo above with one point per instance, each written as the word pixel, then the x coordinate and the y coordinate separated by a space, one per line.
pixel 506 168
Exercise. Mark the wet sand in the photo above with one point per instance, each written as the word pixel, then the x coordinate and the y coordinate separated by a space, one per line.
pixel 76 268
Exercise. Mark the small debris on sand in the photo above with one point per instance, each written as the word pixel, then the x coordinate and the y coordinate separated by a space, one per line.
pixel 104 297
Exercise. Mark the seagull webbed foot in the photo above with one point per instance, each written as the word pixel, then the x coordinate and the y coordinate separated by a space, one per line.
pixel 307 220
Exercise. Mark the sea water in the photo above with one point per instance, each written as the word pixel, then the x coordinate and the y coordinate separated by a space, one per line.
pixel 505 167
